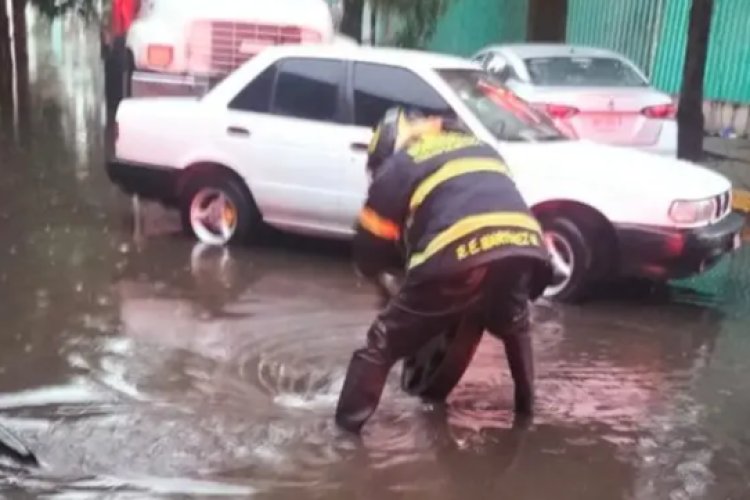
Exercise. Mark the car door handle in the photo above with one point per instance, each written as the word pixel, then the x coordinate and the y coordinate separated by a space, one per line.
pixel 360 146
pixel 238 131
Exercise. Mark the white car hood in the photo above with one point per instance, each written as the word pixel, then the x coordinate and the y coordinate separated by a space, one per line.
pixel 618 169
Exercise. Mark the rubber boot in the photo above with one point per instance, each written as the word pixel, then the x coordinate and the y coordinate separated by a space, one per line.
pixel 520 356
pixel 363 386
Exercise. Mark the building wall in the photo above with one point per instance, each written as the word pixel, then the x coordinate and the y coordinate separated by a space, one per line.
pixel 469 25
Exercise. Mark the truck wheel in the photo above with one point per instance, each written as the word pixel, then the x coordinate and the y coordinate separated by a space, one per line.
pixel 572 256
pixel 216 210
pixel 437 368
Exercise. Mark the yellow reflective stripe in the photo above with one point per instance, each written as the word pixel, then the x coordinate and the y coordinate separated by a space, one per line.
pixel 453 169
pixel 468 225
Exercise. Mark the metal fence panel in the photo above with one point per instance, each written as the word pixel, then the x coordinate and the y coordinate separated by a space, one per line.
pixel 630 27
pixel 469 25
pixel 728 64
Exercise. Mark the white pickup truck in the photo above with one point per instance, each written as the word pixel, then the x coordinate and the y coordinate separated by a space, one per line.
pixel 283 140
pixel 183 47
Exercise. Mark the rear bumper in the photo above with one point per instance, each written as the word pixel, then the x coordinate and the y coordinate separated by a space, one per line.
pixel 147 181
pixel 149 84
pixel 671 253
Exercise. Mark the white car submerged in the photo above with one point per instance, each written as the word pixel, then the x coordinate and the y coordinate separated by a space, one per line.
pixel 597 93
pixel 283 140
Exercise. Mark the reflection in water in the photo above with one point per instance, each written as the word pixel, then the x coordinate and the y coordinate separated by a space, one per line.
pixel 134 361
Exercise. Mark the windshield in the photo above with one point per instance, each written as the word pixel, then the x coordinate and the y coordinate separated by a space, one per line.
pixel 582 72
pixel 503 113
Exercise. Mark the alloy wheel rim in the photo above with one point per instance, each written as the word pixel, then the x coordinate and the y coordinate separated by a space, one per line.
pixel 563 262
pixel 213 216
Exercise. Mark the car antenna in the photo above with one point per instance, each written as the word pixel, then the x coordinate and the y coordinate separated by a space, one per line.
pixel 11 446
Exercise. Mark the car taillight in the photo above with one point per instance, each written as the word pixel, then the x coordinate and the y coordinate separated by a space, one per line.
pixel 310 36
pixel 661 112
pixel 159 55
pixel 560 111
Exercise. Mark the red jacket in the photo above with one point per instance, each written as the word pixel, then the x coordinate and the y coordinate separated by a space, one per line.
pixel 123 13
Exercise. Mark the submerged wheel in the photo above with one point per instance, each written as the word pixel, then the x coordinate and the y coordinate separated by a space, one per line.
pixel 217 211
pixel 437 368
pixel 572 256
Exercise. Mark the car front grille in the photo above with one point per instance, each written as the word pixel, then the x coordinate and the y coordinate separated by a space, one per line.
pixel 233 43
pixel 723 204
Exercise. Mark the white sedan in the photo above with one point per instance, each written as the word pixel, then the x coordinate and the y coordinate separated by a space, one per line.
pixel 596 93
pixel 283 140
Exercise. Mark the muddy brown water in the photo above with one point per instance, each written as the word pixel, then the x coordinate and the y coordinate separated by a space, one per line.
pixel 139 364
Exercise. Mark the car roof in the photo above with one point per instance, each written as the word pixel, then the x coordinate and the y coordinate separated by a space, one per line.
pixel 384 55
pixel 527 50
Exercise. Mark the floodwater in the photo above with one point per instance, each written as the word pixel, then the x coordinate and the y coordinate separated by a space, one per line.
pixel 139 364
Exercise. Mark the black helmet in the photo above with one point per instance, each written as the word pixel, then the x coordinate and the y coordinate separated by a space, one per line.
pixel 397 128
pixel 386 136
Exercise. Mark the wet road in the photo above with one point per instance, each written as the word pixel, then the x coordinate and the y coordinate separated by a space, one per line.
pixel 139 364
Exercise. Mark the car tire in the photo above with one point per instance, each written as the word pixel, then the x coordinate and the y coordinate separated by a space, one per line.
pixel 212 219
pixel 439 365
pixel 567 241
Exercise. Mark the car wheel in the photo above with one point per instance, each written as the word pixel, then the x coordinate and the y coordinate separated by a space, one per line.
pixel 438 366
pixel 571 255
pixel 217 211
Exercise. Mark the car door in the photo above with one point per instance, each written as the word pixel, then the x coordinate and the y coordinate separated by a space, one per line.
pixel 286 129
pixel 375 88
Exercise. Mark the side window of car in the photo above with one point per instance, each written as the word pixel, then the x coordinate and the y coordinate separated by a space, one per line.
pixel 308 89
pixel 256 96
pixel 378 87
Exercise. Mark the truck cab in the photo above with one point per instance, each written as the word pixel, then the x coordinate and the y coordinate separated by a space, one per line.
pixel 185 47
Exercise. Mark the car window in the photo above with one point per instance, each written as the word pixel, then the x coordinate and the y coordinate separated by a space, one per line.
pixel 308 89
pixel 256 96
pixel 378 87
pixel 582 72
pixel 502 112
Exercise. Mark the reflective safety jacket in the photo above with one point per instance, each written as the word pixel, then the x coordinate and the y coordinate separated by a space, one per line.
pixel 445 204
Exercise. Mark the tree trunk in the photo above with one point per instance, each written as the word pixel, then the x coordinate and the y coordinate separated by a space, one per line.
pixel 373 24
pixel 22 69
pixel 690 113
pixel 6 67
pixel 351 24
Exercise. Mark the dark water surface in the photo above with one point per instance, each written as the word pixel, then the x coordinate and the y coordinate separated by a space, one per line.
pixel 139 364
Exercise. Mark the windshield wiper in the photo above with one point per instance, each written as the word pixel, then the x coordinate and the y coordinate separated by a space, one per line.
pixel 551 138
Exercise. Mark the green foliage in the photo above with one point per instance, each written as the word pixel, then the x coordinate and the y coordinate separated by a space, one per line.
pixel 54 8
pixel 419 19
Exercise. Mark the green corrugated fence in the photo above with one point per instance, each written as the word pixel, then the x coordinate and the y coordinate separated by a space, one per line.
pixel 728 65
pixel 469 25
pixel 652 33
pixel 626 26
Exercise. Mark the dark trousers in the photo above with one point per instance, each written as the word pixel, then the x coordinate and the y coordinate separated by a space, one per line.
pixel 497 293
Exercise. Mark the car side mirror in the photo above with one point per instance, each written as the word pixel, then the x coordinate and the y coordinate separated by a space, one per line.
pixel 499 68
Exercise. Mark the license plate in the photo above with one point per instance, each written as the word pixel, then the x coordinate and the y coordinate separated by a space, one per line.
pixel 607 122
pixel 737 242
